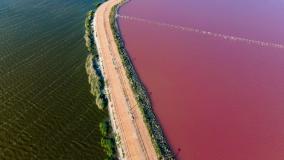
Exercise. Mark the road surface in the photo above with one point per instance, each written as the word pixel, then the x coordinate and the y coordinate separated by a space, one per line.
pixel 135 139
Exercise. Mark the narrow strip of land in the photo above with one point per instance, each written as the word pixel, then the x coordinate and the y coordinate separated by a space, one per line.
pixel 135 139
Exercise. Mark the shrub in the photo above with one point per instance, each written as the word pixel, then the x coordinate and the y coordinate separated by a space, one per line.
pixel 96 79
pixel 104 128
pixel 109 147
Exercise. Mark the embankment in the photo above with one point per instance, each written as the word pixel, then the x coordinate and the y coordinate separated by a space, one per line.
pixel 142 97
pixel 97 83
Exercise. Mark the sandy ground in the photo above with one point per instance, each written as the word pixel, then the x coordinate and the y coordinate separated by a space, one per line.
pixel 135 140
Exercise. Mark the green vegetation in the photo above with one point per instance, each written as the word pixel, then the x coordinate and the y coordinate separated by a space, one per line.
pixel 107 140
pixel 96 79
pixel 144 103
pixel 97 83
pixel 104 128
pixel 89 38
pixel 88 33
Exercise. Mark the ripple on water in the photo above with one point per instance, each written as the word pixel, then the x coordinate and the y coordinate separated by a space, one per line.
pixel 46 109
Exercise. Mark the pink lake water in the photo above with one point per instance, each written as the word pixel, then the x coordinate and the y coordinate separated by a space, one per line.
pixel 216 99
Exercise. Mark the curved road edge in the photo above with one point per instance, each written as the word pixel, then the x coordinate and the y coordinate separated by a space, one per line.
pixel 127 120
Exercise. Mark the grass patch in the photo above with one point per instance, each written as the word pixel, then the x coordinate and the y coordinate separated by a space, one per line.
pixel 108 140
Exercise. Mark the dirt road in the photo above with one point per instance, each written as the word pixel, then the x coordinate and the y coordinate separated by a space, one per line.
pixel 128 120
